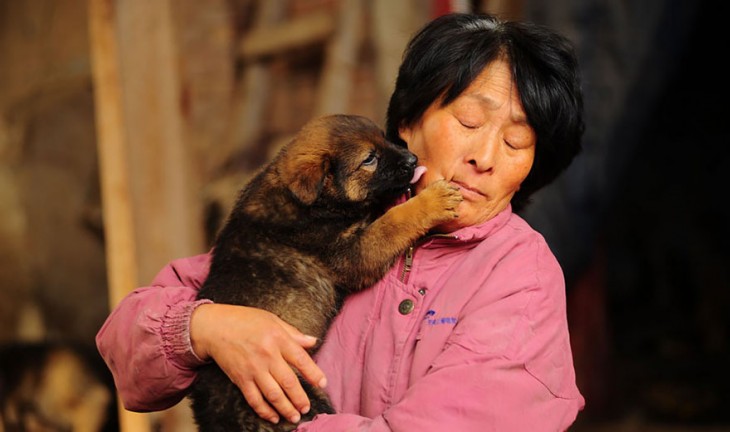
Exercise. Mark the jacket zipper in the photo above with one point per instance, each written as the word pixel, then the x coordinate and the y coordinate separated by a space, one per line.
pixel 407 264
pixel 408 257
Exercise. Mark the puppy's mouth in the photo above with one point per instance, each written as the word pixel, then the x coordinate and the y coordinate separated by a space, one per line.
pixel 396 185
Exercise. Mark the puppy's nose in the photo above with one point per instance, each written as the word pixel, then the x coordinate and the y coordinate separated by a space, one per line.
pixel 408 165
pixel 410 160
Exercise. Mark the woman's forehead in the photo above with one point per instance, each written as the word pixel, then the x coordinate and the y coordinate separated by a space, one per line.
pixel 493 88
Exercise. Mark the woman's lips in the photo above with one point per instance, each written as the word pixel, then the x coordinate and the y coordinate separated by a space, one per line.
pixel 467 191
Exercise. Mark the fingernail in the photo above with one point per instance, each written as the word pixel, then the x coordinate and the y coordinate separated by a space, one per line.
pixel 304 410
pixel 322 383
pixel 274 420
pixel 295 418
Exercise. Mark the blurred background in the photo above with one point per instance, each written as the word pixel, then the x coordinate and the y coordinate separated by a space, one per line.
pixel 127 126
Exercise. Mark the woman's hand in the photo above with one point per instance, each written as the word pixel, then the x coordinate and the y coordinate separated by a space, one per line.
pixel 257 350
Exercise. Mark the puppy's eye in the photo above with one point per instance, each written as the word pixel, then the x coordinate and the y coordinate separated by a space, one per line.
pixel 371 160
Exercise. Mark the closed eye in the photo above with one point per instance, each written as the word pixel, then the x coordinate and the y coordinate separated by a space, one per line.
pixel 468 125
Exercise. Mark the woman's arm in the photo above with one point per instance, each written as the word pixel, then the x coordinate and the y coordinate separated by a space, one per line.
pixel 146 338
pixel 157 336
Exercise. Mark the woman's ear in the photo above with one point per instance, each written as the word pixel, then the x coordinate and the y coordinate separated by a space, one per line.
pixel 405 133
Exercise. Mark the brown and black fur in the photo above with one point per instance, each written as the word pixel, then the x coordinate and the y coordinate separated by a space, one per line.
pixel 307 231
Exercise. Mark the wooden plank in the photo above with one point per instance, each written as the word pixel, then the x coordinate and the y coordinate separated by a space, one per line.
pixel 299 32
pixel 341 60
pixel 164 181
pixel 393 24
pixel 206 40
pixel 250 95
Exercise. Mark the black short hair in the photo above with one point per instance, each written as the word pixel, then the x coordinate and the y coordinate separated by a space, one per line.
pixel 446 55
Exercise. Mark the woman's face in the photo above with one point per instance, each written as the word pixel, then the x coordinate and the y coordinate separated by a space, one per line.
pixel 480 143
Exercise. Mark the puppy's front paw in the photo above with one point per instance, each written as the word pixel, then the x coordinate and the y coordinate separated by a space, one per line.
pixel 440 200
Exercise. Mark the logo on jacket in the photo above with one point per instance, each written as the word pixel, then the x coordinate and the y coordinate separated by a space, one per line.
pixel 432 319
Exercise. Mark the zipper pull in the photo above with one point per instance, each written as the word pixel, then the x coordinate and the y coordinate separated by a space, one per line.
pixel 407 264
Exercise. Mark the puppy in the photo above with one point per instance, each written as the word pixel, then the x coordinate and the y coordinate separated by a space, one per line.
pixel 308 230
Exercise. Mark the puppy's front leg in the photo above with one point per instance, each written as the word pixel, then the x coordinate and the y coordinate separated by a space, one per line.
pixel 383 241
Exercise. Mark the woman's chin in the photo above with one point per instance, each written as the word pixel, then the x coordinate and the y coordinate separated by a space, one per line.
pixel 449 227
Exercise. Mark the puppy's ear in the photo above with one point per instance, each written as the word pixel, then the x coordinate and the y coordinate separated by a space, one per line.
pixel 306 174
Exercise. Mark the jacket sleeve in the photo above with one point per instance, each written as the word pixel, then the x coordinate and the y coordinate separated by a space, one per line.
pixel 146 338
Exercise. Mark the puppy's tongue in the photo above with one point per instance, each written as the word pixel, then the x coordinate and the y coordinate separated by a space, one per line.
pixel 418 173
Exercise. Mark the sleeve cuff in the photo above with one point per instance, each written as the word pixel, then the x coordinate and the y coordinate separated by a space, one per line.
pixel 176 335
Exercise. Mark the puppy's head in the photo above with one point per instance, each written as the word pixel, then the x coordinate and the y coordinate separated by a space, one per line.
pixel 345 159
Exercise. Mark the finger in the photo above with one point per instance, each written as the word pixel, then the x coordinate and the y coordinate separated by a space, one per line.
pixel 275 396
pixel 299 358
pixel 292 387
pixel 306 341
pixel 256 400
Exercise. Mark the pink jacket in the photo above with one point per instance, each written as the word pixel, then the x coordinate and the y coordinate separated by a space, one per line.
pixel 467 333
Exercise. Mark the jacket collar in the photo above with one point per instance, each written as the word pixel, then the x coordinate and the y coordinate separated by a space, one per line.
pixel 472 233
pixel 478 232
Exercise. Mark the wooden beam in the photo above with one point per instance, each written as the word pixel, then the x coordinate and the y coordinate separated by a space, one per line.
pixel 115 185
pixel 148 185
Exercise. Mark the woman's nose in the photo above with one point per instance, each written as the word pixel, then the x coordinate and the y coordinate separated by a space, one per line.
pixel 483 153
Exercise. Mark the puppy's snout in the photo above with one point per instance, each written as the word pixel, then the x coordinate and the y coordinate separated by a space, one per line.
pixel 409 162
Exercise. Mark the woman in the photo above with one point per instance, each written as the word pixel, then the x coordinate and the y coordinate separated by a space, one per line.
pixel 468 332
